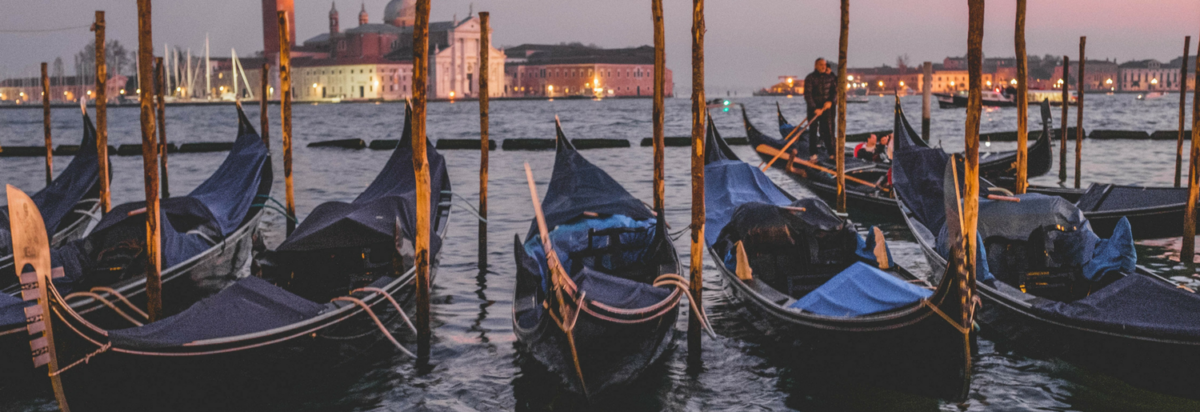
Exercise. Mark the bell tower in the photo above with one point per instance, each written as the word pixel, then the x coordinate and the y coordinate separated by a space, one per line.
pixel 333 20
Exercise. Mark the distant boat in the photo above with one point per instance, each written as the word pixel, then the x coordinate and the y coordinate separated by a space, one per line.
pixel 991 98
pixel 1054 96
pixel 1150 95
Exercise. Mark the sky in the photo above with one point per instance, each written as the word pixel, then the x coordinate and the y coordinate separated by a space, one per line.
pixel 748 44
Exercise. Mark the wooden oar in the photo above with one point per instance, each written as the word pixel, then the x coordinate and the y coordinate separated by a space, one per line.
pixel 767 149
pixel 559 281
pixel 792 137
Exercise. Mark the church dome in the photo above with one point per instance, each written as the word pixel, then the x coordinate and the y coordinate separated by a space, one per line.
pixel 400 13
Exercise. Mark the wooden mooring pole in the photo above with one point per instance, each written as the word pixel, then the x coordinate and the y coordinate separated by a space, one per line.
pixel 970 202
pixel 837 149
pixel 926 99
pixel 149 161
pixel 1183 87
pixel 1081 88
pixel 1022 183
pixel 1187 254
pixel 658 116
pixel 1062 132
pixel 484 66
pixel 102 112
pixel 696 266
pixel 421 170
pixel 160 93
pixel 285 114
pixel 264 121
pixel 46 125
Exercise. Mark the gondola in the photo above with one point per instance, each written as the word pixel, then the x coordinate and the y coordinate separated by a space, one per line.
pixel 1053 287
pixel 994 165
pixel 329 293
pixel 624 288
pixel 866 182
pixel 206 242
pixel 69 204
pixel 840 300
pixel 1153 212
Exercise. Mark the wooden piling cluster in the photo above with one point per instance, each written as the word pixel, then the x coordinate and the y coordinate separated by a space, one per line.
pixel 285 113
pixel 46 125
pixel 659 113
pixel 102 112
pixel 1188 252
pixel 1062 132
pixel 837 149
pixel 421 170
pixel 1080 86
pixel 160 92
pixel 970 204
pixel 1183 74
pixel 1022 181
pixel 696 265
pixel 145 64
pixel 926 99
pixel 484 143
pixel 264 121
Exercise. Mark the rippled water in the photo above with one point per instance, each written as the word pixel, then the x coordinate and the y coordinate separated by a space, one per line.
pixel 475 364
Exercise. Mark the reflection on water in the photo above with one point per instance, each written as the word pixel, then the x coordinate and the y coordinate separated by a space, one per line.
pixel 475 362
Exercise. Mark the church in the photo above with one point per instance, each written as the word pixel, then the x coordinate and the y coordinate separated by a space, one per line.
pixel 373 61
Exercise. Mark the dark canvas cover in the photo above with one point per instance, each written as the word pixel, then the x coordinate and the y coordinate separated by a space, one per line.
pixel 917 173
pixel 371 217
pixel 578 186
pixel 189 224
pixel 1133 305
pixel 57 200
pixel 249 305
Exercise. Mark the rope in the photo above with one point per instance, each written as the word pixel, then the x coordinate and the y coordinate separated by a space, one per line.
pixel 382 328
pixel 680 282
pixel 122 298
pixel 952 323
pixel 101 299
pixel 394 304
pixel 85 359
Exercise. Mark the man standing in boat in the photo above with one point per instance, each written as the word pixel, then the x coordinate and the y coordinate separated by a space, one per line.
pixel 820 94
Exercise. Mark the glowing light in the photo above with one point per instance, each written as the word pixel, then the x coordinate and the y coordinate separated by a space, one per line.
pixel 989 83
pixel 451 95
pixel 881 83
pixel 122 91
pixel 789 80
pixel 951 83
pixel 850 77
pixel 550 88
pixel 314 86
pixel 139 91
pixel 89 92
pixel 1109 81
pixel 901 84
pixel 1013 82
pixel 1153 81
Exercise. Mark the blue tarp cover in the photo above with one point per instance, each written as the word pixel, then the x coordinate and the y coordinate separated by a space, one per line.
pixel 860 290
pixel 729 184
pixel 371 217
pixel 55 201
pixel 1115 254
pixel 1135 304
pixel 573 237
pixel 249 305
pixel 866 249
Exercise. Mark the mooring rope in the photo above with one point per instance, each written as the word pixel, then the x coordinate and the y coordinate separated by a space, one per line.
pixel 86 358
pixel 394 304
pixel 122 298
pixel 383 329
pixel 101 299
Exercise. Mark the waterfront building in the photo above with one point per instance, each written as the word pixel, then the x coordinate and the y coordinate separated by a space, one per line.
pixel 64 89
pixel 1148 75
pixel 374 60
pixel 1101 76
pixel 787 86
pixel 578 70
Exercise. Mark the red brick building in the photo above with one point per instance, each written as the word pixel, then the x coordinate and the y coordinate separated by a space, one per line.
pixel 578 70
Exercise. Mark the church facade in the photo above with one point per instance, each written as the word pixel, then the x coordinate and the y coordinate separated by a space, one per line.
pixel 373 61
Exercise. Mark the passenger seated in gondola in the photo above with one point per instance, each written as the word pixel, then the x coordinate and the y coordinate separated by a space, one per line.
pixel 874 149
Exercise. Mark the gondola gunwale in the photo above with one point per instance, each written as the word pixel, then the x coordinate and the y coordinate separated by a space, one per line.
pixel 992 294
pixel 835 323
pixel 661 316
pixel 238 343
pixel 135 286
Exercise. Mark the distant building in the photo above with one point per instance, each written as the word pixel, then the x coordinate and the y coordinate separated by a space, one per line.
pixel 578 70
pixel 787 86
pixel 62 89
pixel 1100 76
pixel 1148 75
pixel 374 60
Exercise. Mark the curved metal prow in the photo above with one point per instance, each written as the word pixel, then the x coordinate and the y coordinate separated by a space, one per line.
pixel 31 247
pixel 560 138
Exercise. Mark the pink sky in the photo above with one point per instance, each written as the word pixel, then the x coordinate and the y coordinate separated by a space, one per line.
pixel 749 42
